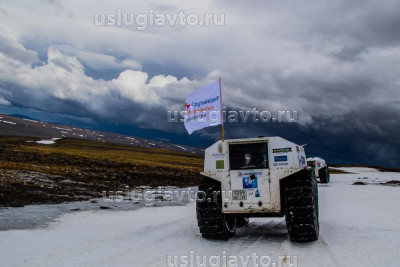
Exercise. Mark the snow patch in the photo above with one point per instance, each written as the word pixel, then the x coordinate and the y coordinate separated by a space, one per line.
pixel 28 120
pixel 181 147
pixel 59 128
pixel 46 142
pixel 8 122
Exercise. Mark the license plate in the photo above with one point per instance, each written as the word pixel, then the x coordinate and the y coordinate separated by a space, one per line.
pixel 239 195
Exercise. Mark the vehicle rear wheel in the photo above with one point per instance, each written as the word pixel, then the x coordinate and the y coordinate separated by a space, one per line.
pixel 212 222
pixel 302 207
pixel 241 221
pixel 324 175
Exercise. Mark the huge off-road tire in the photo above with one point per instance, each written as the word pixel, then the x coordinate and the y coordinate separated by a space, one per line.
pixel 301 202
pixel 324 175
pixel 241 222
pixel 212 222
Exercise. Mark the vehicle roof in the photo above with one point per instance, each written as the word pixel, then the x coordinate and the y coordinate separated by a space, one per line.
pixel 264 138
pixel 314 158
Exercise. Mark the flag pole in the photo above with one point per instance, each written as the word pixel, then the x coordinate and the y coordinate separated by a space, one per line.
pixel 222 120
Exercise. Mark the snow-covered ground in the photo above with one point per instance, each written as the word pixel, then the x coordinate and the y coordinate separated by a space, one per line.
pixel 359 226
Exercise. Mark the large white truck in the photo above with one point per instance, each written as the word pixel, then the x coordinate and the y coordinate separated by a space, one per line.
pixel 321 169
pixel 257 177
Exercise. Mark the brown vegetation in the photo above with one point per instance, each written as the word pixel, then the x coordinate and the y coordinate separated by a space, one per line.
pixel 74 169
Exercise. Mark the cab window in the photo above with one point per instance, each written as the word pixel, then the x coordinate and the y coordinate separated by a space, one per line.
pixel 248 156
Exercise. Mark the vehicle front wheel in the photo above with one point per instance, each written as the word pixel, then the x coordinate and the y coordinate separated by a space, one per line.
pixel 213 224
pixel 301 210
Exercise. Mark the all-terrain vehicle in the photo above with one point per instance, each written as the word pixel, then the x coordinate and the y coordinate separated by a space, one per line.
pixel 257 177
pixel 321 169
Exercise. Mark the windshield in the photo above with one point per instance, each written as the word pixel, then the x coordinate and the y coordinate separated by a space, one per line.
pixel 248 156
pixel 311 163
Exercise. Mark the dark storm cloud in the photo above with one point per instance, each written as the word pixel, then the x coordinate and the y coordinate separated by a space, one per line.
pixel 347 114
pixel 368 23
pixel 349 53
pixel 368 136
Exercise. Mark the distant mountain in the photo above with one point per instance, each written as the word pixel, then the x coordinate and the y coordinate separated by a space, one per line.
pixel 22 117
pixel 21 125
pixel 181 138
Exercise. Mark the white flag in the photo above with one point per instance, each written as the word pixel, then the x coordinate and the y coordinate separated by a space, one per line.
pixel 203 108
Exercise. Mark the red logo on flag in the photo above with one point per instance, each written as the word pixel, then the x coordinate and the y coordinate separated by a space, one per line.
pixel 187 105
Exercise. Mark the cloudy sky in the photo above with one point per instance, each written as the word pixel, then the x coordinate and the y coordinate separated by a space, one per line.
pixel 336 62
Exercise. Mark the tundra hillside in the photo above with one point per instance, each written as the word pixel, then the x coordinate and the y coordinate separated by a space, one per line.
pixel 75 169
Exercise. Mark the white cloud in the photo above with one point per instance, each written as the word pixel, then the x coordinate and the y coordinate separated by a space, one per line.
pixel 16 51
pixel 4 102
pixel 99 61
pixel 63 77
